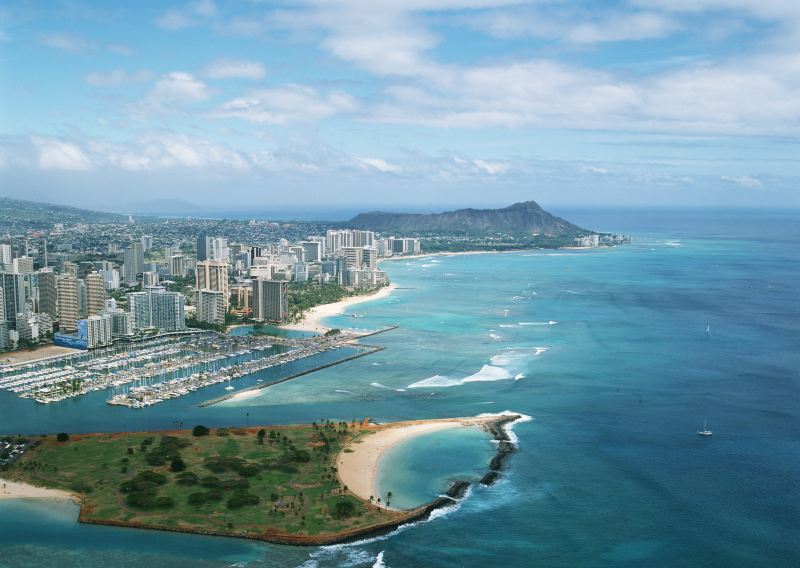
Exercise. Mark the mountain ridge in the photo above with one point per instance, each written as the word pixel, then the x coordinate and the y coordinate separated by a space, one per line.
pixel 521 217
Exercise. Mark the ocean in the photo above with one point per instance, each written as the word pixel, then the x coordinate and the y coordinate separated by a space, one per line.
pixel 618 355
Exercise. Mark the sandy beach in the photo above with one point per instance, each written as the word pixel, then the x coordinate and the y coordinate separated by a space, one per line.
pixel 357 465
pixel 312 321
pixel 14 490
pixel 38 354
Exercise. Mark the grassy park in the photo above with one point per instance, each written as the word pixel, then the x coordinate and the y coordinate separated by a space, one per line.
pixel 273 482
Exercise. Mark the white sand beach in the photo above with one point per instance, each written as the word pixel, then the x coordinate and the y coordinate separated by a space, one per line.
pixel 37 354
pixel 312 321
pixel 14 490
pixel 357 464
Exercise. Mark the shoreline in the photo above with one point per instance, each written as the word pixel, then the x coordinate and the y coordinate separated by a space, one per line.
pixel 312 320
pixel 494 424
pixel 17 490
pixel 358 463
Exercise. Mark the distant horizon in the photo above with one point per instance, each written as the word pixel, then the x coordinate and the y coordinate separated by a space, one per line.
pixel 343 214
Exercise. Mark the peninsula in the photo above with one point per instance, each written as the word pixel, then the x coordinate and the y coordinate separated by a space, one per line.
pixel 300 484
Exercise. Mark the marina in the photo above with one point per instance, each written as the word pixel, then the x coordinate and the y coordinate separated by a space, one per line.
pixel 153 371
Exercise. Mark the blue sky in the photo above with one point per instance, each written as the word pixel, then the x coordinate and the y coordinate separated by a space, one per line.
pixel 415 104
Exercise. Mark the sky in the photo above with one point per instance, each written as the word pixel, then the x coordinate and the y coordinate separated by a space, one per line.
pixel 218 105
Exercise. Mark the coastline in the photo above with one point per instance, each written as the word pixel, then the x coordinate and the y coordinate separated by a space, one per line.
pixel 358 463
pixel 495 424
pixel 17 490
pixel 312 320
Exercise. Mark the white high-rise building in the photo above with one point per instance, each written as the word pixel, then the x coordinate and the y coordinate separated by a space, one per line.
pixel 363 238
pixel 5 255
pixel 157 308
pixel 99 331
pixel 218 248
pixel 210 306
pixel 177 265
pixel 312 251
pixel 149 279
pixel 213 275
pixel 22 265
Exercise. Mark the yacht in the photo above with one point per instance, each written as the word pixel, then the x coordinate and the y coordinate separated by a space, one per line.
pixel 705 431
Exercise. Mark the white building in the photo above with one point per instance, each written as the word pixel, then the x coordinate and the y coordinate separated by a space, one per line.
pixel 98 331
pixel 210 306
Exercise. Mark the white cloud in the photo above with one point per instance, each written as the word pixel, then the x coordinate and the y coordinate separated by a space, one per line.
pixel 493 168
pixel 594 170
pixel 59 155
pixel 234 69
pixel 744 181
pixel 573 27
pixel 176 88
pixel 191 14
pixel 120 48
pixel 286 104
pixel 381 165
pixel 66 42
pixel 117 77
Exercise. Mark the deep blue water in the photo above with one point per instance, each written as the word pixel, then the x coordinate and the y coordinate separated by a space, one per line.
pixel 698 319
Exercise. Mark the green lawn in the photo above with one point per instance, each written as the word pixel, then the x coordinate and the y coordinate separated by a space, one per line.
pixel 224 482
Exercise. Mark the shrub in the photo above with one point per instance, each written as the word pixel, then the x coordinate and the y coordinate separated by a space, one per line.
pixel 242 499
pixel 155 458
pixel 210 481
pixel 229 484
pixel 344 509
pixel 215 495
pixel 197 499
pixel 187 478
pixel 62 437
pixel 200 430
pixel 249 470
pixel 177 465
pixel 152 477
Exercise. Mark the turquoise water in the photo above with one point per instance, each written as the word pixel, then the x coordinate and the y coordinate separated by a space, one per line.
pixel 417 471
pixel 698 319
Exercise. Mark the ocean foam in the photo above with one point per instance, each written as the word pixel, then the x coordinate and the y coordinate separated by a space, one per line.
pixel 379 563
pixel 488 373
pixel 435 381
pixel 514 355
pixel 382 386
pixel 435 514
pixel 551 322
pixel 509 427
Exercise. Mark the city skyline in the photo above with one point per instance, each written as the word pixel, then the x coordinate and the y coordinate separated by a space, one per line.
pixel 357 105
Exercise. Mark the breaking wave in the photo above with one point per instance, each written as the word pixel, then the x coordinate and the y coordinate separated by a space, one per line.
pixel 382 386
pixel 488 373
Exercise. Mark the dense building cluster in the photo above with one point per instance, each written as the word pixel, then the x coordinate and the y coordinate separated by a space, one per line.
pixel 53 288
